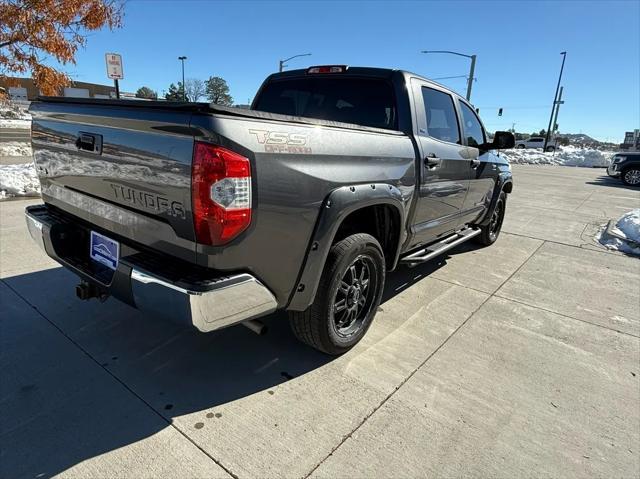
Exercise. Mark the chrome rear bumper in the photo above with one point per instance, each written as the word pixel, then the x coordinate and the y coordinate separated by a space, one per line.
pixel 207 305
pixel 234 299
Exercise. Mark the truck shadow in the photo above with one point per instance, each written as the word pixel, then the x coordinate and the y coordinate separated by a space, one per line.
pixel 73 396
pixel 607 180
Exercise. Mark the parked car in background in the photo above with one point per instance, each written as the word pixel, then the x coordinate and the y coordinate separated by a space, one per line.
pixel 626 166
pixel 536 142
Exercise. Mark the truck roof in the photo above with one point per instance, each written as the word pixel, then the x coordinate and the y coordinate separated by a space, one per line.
pixel 386 73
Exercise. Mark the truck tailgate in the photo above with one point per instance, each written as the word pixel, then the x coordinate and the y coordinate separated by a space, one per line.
pixel 125 169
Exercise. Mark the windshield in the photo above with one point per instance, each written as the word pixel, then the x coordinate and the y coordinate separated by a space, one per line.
pixel 363 101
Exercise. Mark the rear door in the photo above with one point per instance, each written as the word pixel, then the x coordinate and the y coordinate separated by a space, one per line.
pixel 482 167
pixel 443 170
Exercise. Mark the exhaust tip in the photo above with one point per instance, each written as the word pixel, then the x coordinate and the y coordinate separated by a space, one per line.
pixel 256 326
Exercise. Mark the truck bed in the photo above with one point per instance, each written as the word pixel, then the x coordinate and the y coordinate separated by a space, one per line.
pixel 137 188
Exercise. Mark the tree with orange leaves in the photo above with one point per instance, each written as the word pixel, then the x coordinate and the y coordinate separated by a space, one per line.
pixel 32 30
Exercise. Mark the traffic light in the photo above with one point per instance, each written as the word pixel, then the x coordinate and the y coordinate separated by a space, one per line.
pixel 500 112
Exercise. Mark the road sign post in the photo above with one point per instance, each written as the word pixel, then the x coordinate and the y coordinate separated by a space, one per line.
pixel 115 70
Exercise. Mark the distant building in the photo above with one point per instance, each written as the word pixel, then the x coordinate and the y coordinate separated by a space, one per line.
pixel 631 141
pixel 25 89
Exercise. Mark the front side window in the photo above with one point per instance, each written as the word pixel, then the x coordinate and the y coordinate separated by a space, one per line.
pixel 442 122
pixel 473 131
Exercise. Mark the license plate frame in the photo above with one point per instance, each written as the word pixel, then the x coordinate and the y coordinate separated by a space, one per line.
pixel 104 250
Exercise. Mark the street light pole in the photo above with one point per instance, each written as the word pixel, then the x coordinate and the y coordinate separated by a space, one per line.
pixel 282 62
pixel 184 97
pixel 555 100
pixel 471 72
pixel 472 69
pixel 554 123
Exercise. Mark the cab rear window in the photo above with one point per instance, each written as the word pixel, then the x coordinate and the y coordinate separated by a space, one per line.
pixel 367 102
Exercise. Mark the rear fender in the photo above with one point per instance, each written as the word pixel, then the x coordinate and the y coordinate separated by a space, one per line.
pixel 336 207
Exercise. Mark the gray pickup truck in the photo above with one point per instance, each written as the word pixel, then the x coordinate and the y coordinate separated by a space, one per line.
pixel 216 216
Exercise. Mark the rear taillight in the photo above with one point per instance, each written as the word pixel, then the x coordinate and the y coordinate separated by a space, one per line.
pixel 220 192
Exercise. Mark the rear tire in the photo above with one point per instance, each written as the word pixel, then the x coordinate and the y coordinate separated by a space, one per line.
pixel 631 176
pixel 550 149
pixel 347 299
pixel 520 147
pixel 490 232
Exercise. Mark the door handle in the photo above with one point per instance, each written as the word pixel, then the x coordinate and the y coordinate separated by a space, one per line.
pixel 475 163
pixel 431 161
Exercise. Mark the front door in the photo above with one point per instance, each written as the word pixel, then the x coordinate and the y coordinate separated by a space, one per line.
pixel 443 170
pixel 484 171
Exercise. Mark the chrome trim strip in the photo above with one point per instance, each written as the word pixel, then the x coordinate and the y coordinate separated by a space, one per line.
pixel 145 278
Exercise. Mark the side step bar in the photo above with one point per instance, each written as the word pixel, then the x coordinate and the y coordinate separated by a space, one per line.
pixel 438 248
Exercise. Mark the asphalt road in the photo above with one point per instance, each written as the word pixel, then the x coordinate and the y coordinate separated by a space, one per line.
pixel 519 360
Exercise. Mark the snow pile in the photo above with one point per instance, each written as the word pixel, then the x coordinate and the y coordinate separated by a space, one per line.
pixel 567 156
pixel 11 111
pixel 18 180
pixel 22 124
pixel 14 116
pixel 15 148
pixel 587 157
pixel 624 236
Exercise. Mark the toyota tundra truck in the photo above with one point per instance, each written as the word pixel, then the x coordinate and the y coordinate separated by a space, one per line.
pixel 215 216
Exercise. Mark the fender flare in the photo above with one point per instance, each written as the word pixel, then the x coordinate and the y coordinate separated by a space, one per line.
pixel 505 181
pixel 335 208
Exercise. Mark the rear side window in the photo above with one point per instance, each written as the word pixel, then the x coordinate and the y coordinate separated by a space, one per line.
pixel 442 122
pixel 473 131
pixel 367 102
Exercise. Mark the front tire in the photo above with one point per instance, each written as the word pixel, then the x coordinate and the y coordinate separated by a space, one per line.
pixel 490 232
pixel 347 299
pixel 631 176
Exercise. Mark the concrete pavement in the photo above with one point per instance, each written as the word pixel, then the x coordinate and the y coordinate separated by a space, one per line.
pixel 15 160
pixel 15 134
pixel 516 360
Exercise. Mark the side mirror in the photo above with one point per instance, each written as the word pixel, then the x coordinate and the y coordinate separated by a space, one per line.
pixel 503 140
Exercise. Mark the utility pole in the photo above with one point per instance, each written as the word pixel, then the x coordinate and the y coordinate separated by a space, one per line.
pixel 472 69
pixel 184 95
pixel 555 99
pixel 281 64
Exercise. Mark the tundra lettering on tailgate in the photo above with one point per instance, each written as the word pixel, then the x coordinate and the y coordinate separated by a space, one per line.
pixel 148 200
pixel 281 141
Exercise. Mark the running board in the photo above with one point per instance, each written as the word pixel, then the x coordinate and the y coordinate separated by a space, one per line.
pixel 446 244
